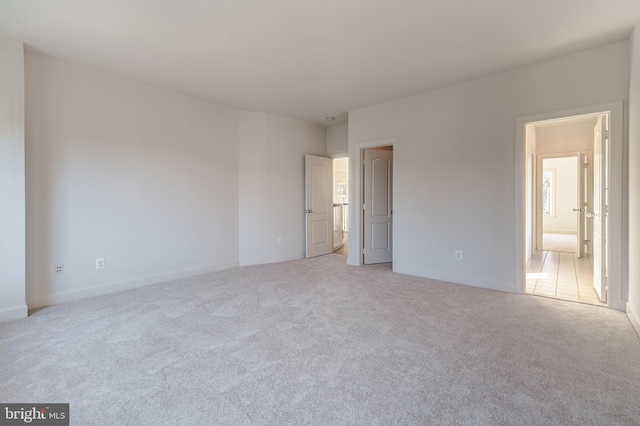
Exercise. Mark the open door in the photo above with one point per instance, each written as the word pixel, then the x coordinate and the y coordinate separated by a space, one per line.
pixel 377 206
pixel 318 205
pixel 600 208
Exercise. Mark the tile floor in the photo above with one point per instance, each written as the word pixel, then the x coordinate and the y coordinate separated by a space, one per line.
pixel 562 275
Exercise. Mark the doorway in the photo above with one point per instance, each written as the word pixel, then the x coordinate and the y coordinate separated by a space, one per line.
pixel 341 206
pixel 586 268
pixel 326 205
pixel 356 219
pixel 565 216
pixel 558 192
pixel 562 265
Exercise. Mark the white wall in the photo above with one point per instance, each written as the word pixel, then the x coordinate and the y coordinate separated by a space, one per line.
pixel 633 305
pixel 570 136
pixel 563 220
pixel 142 176
pixel 12 181
pixel 337 141
pixel 456 152
pixel 272 150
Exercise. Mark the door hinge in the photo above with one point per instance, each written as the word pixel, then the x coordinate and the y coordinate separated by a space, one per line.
pixel 363 251
pixel 606 134
pixel 586 241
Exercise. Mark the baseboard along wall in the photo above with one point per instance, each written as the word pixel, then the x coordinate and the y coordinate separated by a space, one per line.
pixel 634 319
pixel 68 296
pixel 13 313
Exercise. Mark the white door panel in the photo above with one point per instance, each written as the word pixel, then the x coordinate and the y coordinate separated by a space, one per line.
pixel 377 206
pixel 380 236
pixel 318 205
pixel 599 209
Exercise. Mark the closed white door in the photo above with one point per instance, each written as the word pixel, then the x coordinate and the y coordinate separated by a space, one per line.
pixel 599 209
pixel 377 206
pixel 318 205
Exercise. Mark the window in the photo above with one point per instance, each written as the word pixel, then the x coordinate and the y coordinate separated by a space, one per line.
pixel 548 192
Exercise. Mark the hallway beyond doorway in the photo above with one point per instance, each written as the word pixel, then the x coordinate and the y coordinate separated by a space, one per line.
pixel 344 250
pixel 560 242
pixel 562 275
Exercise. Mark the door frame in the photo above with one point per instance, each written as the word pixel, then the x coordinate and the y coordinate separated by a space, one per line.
pixel 614 110
pixel 356 193
pixel 538 217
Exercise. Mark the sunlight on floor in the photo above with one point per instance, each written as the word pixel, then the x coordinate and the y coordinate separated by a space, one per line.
pixel 562 275
pixel 536 276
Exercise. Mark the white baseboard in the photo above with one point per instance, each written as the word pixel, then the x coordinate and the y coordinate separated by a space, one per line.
pixel 633 318
pixel 284 257
pixel 457 279
pixel 559 231
pixel 83 293
pixel 13 313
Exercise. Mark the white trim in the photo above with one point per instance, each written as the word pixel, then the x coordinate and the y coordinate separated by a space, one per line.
pixel 615 111
pixel 559 231
pixel 456 278
pixel 634 319
pixel 67 296
pixel 13 313
pixel 274 258
pixel 356 191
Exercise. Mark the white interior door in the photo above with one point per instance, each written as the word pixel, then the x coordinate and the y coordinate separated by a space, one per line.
pixel 377 206
pixel 599 209
pixel 582 203
pixel 318 205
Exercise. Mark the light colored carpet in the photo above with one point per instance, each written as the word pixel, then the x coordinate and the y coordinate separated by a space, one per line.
pixel 560 242
pixel 319 342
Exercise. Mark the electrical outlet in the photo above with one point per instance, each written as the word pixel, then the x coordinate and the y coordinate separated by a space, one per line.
pixel 279 241
pixel 458 254
pixel 100 263
pixel 58 269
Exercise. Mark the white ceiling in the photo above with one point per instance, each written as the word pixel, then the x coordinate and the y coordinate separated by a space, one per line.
pixel 307 58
